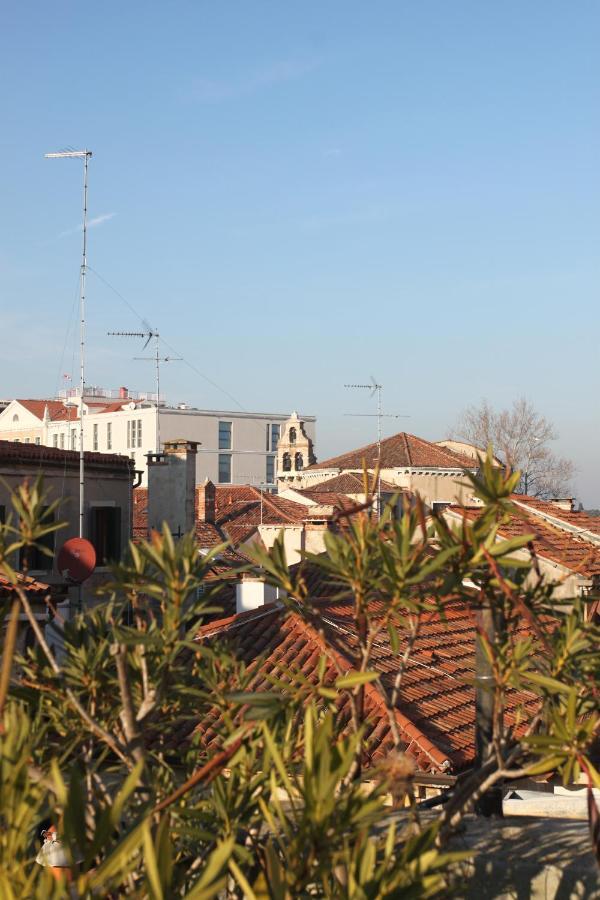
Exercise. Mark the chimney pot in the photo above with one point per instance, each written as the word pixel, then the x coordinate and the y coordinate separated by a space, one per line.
pixel 206 501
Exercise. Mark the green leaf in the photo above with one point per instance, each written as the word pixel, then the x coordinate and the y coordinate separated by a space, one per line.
pixel 355 679
pixel 152 875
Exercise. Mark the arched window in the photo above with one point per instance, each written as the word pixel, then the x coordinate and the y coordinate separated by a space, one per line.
pixel 287 462
pixel 298 462
pixel 292 435
pixel 15 418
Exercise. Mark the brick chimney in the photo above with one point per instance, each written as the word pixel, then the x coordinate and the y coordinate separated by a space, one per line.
pixel 172 487
pixel 206 495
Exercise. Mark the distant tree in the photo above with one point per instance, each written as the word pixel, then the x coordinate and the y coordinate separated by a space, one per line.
pixel 519 437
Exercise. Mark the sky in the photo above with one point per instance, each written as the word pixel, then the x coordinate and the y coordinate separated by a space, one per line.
pixel 298 196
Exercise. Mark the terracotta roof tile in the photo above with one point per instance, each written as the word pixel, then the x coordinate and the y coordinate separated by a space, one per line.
pixel 30 584
pixel 37 407
pixel 400 450
pixel 348 483
pixel 17 452
pixel 576 518
pixel 550 541
pixel 436 707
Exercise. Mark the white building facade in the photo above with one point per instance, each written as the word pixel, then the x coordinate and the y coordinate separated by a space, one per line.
pixel 233 446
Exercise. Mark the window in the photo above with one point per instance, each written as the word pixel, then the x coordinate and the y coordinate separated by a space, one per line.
pixel 26 440
pixel 267 445
pixel 105 533
pixel 298 462
pixel 287 462
pixel 270 479
pixel 292 435
pixel 34 557
pixel 95 438
pixel 109 435
pixel 134 433
pixel 38 441
pixel 224 435
pixel 55 440
pixel 224 468
pixel 15 418
pixel 73 439
pixel 275 431
pixel 62 442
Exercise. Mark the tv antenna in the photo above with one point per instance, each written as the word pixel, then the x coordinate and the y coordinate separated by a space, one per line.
pixel 157 359
pixel 85 155
pixel 375 388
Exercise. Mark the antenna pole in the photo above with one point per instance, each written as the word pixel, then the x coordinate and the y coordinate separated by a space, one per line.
pixel 157 338
pixel 82 348
pixel 379 389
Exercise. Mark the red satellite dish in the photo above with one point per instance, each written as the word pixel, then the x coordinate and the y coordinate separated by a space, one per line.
pixel 76 560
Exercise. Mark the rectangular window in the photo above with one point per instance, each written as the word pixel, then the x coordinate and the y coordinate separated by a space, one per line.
pixel 73 439
pixel 224 435
pixel 224 468
pixel 109 435
pixel 26 440
pixel 105 533
pixel 275 430
pixel 95 440
pixel 62 442
pixel 267 445
pixel 55 440
pixel 34 557
pixel 270 470
pixel 129 434
pixel 38 441
pixel 139 432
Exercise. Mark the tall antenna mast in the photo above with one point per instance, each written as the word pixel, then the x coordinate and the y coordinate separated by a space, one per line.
pixel 156 359
pixel 85 155
pixel 375 387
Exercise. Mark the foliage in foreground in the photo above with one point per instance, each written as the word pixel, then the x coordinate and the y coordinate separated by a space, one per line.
pixel 275 806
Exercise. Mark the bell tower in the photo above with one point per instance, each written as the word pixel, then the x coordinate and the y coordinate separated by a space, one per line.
pixel 294 451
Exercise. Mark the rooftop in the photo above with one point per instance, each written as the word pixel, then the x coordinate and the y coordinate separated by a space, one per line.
pixel 16 453
pixel 550 541
pixel 435 712
pixel 399 451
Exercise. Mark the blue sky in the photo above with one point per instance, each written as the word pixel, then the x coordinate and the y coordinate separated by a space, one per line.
pixel 301 195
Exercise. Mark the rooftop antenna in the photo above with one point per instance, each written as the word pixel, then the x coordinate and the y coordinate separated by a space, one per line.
pixel 156 359
pixel 85 155
pixel 376 388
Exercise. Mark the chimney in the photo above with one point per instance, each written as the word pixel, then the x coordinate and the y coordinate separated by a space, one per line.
pixel 206 501
pixel 565 503
pixel 172 487
pixel 251 592
pixel 123 393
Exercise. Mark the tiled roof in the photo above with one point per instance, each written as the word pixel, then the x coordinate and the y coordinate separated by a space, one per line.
pixel 328 498
pixel 15 452
pixel 37 407
pixel 550 541
pixel 436 708
pixel 349 483
pixel 577 518
pixel 398 451
pixel 59 412
pixel 31 585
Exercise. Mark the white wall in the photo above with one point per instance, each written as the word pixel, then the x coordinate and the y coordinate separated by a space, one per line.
pixel 248 438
